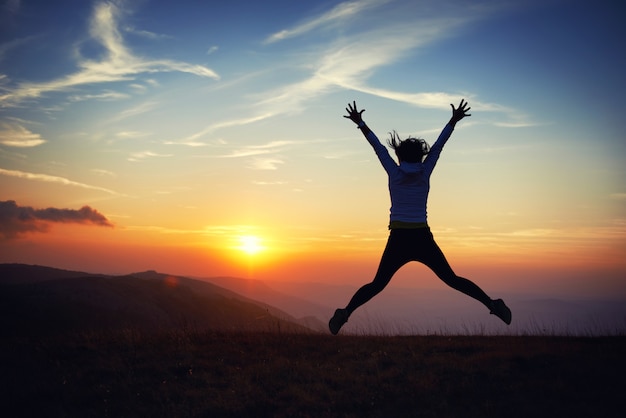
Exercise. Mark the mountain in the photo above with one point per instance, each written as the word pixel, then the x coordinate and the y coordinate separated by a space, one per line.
pixel 297 305
pixel 37 300
pixel 420 310
pixel 24 273
pixel 256 292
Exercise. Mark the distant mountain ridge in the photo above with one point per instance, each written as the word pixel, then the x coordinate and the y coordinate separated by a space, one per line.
pixel 38 300
pixel 298 306
pixel 13 273
pixel 44 299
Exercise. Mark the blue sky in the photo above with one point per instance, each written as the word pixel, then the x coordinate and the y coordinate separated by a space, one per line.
pixel 196 120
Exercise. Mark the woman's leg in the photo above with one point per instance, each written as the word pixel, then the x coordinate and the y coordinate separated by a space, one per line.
pixel 431 255
pixel 394 256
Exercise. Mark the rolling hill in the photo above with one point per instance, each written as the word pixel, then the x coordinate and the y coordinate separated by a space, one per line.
pixel 37 300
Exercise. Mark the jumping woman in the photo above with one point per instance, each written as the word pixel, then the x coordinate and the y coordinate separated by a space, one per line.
pixel 410 238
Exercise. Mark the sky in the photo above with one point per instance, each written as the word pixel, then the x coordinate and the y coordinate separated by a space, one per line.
pixel 207 139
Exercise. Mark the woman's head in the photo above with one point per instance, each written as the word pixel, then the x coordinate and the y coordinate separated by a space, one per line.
pixel 411 150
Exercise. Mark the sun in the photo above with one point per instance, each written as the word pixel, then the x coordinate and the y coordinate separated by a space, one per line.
pixel 250 244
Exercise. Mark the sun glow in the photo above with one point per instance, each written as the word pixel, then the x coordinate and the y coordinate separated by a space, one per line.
pixel 250 244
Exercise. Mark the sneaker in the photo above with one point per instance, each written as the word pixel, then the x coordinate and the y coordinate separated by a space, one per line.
pixel 336 322
pixel 499 309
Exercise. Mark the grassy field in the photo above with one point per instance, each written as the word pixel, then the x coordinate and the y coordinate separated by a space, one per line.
pixel 213 374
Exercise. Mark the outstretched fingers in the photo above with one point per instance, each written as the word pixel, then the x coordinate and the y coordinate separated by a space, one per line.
pixel 353 114
pixel 465 105
pixel 350 109
pixel 462 109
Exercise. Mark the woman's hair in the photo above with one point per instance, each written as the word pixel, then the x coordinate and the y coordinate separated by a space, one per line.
pixel 411 150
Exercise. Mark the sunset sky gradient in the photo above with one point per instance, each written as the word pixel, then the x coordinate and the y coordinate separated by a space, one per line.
pixel 144 134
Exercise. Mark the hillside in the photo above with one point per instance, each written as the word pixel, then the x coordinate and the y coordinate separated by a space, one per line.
pixel 38 300
pixel 298 306
pixel 26 273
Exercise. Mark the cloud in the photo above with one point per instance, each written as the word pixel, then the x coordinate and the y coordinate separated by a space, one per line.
pixel 140 156
pixel 440 100
pixel 146 34
pixel 118 63
pixel 104 96
pixel 338 13
pixel 244 152
pixel 266 163
pixel 130 134
pixel 252 150
pixel 6 47
pixel 53 179
pixel 347 64
pixel 193 140
pixel 268 183
pixel 102 172
pixel 134 111
pixel 351 61
pixel 15 135
pixel 16 220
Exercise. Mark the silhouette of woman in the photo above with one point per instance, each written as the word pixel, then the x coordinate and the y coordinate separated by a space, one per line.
pixel 410 238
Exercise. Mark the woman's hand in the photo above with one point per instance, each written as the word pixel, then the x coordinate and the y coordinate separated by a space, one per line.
pixel 460 112
pixel 353 114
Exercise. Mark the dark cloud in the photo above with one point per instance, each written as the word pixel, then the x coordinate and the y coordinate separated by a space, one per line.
pixel 16 220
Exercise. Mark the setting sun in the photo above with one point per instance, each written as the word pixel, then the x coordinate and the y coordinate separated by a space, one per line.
pixel 250 245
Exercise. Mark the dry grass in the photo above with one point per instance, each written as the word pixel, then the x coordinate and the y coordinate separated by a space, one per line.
pixel 213 374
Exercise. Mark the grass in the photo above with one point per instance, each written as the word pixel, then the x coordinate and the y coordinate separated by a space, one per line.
pixel 190 373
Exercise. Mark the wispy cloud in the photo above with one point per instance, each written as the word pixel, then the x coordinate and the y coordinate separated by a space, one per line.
pixel 146 34
pixel 269 183
pixel 140 156
pixel 347 64
pixel 134 111
pixel 350 61
pixel 105 96
pixel 244 152
pixel 118 63
pixel 102 172
pixel 16 220
pixel 194 139
pixel 16 135
pixel 337 14
pixel 130 134
pixel 252 150
pixel 266 163
pixel 440 100
pixel 7 47
pixel 53 179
